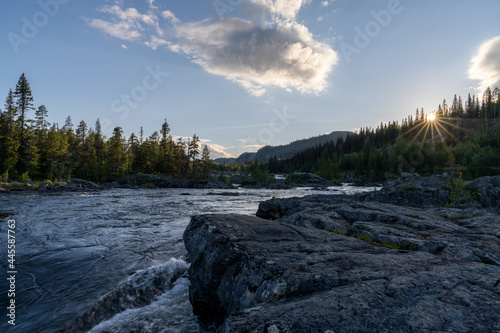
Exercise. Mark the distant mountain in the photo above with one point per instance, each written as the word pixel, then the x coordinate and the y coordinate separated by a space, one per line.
pixel 266 153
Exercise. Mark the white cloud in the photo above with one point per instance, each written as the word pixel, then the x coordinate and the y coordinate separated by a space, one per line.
pixel 320 19
pixel 126 24
pixel 167 14
pixel 281 53
pixel 151 4
pixel 218 151
pixel 287 9
pixel 155 42
pixel 120 30
pixel 286 55
pixel 485 66
pixel 124 46
pixel 324 3
pixel 253 148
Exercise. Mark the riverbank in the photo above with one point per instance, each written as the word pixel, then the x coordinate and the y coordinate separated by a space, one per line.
pixel 422 254
pixel 127 182
pixel 140 180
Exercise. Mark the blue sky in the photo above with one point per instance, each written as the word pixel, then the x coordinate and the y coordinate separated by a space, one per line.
pixel 246 73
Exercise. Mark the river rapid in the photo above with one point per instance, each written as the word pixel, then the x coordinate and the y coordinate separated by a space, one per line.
pixel 114 259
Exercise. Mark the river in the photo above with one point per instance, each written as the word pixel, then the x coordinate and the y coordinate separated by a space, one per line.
pixel 104 250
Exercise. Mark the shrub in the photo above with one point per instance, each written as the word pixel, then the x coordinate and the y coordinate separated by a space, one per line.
pixel 4 176
pixel 25 177
pixel 460 193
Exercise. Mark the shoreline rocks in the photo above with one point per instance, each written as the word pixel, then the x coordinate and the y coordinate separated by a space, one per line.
pixel 338 263
pixel 128 182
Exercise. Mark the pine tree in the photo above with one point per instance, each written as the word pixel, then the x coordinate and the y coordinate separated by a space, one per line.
pixel 99 142
pixel 445 111
pixel 24 102
pixel 116 151
pixel 454 106
pixel 41 122
pixel 10 110
pixel 460 110
pixel 206 161
pixel 68 125
pixel 487 103
pixel 193 152
pixel 9 136
pixel 81 132
pixel 167 150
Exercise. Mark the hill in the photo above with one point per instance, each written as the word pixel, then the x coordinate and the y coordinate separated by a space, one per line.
pixel 284 151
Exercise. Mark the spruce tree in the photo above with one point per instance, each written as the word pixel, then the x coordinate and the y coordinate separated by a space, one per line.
pixel 41 122
pixel 24 103
pixel 206 161
pixel 9 136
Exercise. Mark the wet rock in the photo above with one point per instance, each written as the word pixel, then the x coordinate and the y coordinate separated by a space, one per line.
pixel 277 185
pixel 225 194
pixel 168 182
pixel 83 184
pixel 308 180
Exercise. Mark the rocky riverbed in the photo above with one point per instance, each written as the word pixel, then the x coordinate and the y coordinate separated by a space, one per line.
pixel 412 257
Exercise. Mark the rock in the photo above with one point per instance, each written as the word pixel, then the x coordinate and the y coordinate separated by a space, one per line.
pixel 85 184
pixel 225 194
pixel 279 184
pixel 334 264
pixel 414 191
pixel 308 180
pixel 168 182
pixel 488 191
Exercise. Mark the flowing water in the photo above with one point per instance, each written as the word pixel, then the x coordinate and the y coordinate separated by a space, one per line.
pixel 114 260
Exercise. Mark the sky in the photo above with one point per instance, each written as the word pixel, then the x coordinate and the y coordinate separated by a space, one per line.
pixel 242 74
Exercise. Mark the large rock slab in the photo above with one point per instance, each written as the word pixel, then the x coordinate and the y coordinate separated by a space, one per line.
pixel 350 271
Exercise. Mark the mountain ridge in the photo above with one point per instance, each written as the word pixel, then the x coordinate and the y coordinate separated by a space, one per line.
pixel 264 154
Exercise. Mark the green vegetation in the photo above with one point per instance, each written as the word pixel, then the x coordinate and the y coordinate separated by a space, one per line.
pixel 365 238
pixel 460 193
pixel 34 148
pixel 406 246
pixel 409 186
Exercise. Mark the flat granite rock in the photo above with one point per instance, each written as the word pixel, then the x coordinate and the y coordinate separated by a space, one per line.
pixel 345 266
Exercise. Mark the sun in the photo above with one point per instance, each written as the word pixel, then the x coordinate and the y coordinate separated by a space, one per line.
pixel 432 117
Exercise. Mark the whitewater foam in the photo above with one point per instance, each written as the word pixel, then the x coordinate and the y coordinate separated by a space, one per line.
pixel 152 300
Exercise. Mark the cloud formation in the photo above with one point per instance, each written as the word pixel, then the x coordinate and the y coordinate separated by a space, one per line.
pixel 126 24
pixel 485 66
pixel 276 53
pixel 286 55
pixel 287 9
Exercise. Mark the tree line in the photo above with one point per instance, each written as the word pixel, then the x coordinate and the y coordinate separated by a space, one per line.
pixel 461 137
pixel 32 147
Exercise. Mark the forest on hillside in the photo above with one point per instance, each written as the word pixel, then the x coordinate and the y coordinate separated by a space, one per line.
pixel 463 138
pixel 34 148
